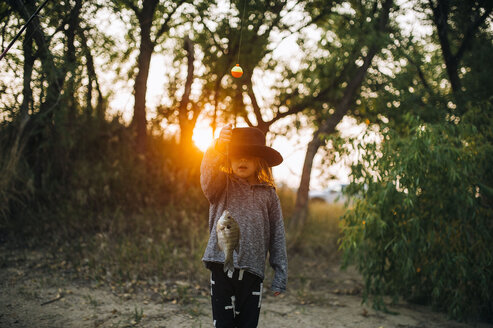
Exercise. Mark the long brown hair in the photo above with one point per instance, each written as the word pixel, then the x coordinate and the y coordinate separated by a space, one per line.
pixel 263 173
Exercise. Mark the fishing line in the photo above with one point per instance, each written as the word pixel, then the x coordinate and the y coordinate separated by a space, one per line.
pixel 237 71
pixel 22 29
pixel 227 175
pixel 38 27
pixel 241 30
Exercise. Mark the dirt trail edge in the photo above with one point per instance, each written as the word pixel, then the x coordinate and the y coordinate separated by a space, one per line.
pixel 33 296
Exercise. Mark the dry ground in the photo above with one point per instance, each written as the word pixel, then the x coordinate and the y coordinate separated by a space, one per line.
pixel 34 293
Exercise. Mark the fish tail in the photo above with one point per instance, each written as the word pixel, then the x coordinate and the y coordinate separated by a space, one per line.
pixel 228 264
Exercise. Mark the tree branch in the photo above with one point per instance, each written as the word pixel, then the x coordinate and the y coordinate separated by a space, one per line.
pixel 468 36
pixel 218 45
pixel 133 7
pixel 440 16
pixel 278 8
pixel 247 120
pixel 256 107
pixel 421 74
pixel 342 107
pixel 312 21
pixel 291 111
pixel 165 26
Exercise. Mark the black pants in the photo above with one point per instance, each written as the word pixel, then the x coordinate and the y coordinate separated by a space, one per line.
pixel 236 299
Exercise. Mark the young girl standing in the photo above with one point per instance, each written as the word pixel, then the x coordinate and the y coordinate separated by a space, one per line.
pixel 235 175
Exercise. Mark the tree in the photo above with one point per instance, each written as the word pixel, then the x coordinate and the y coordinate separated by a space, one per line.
pixel 40 127
pixel 420 226
pixel 341 85
pixel 54 75
pixel 456 37
pixel 262 21
pixel 52 85
pixel 154 19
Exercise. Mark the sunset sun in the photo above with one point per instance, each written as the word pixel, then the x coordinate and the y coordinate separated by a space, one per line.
pixel 202 137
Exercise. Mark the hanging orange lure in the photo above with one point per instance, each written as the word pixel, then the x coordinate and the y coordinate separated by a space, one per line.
pixel 237 71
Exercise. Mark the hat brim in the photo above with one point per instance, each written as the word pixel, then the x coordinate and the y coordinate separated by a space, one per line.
pixel 270 155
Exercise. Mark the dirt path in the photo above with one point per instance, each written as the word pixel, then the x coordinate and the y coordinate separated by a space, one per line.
pixel 33 296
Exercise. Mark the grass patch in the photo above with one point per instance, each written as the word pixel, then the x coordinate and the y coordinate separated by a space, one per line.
pixel 146 246
pixel 316 251
pixel 143 246
pixel 169 244
pixel 321 231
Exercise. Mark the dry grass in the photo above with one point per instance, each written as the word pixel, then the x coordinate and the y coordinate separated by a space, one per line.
pixel 315 257
pixel 168 244
pixel 147 246
pixel 321 231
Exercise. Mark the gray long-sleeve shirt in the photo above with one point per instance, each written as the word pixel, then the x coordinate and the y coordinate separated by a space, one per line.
pixel 257 210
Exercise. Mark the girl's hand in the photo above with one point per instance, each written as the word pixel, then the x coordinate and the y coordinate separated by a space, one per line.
pixel 225 136
pixel 226 133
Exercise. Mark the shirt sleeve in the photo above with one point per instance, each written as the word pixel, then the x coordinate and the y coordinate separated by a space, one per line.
pixel 212 179
pixel 278 258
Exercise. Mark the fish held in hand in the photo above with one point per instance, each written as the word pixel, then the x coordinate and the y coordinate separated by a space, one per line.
pixel 228 238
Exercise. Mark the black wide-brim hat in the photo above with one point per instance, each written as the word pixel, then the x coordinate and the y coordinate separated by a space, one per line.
pixel 251 141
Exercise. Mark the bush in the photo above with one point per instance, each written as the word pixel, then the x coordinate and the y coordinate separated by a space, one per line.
pixel 106 211
pixel 422 226
pixel 86 179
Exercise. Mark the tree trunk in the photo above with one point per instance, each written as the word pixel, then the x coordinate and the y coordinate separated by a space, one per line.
pixel 328 127
pixel 93 78
pixel 27 92
pixel 440 16
pixel 140 89
pixel 71 61
pixel 55 77
pixel 301 206
pixel 146 49
pixel 217 86
pixel 441 11
pixel 186 127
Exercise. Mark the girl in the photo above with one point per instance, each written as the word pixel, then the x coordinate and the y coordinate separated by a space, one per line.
pixel 235 175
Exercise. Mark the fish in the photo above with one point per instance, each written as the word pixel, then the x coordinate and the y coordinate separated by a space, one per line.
pixel 228 238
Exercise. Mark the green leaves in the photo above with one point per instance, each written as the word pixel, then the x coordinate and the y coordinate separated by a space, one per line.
pixel 419 228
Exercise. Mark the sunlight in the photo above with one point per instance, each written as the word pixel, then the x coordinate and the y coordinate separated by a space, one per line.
pixel 202 136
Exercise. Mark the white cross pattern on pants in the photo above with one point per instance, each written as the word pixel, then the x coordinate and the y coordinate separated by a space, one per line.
pixel 259 293
pixel 212 283
pixel 232 307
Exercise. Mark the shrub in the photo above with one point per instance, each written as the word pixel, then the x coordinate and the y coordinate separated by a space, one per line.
pixel 106 211
pixel 96 174
pixel 422 226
